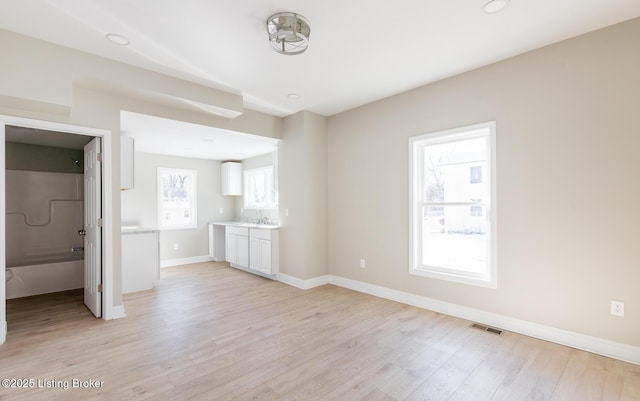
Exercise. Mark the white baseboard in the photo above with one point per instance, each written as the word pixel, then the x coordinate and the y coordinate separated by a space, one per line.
pixel 117 312
pixel 624 352
pixel 303 284
pixel 185 261
pixel 3 332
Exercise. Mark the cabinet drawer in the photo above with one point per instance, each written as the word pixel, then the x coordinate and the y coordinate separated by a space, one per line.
pixel 260 233
pixel 244 231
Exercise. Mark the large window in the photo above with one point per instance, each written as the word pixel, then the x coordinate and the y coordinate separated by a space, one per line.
pixel 259 189
pixel 176 198
pixel 452 195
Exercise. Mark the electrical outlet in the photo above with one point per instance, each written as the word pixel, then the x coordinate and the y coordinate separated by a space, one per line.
pixel 617 308
pixel 175 247
pixel 221 210
pixel 286 212
pixel 363 263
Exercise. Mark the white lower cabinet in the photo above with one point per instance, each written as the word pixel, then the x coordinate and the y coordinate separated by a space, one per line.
pixel 242 250
pixel 260 255
pixel 263 250
pixel 252 249
pixel 140 260
pixel 237 246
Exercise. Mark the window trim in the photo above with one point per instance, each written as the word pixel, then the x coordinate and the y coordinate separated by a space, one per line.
pixel 194 216
pixel 489 280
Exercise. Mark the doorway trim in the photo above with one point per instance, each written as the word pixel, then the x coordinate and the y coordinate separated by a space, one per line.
pixel 107 207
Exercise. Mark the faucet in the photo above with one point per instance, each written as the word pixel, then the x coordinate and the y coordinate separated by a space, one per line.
pixel 263 219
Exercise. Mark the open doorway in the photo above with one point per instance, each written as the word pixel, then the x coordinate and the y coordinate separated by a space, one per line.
pixel 52 216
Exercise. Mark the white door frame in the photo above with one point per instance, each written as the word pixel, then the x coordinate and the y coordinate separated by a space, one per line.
pixel 107 207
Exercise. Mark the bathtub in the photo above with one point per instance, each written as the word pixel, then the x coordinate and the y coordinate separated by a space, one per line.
pixel 44 274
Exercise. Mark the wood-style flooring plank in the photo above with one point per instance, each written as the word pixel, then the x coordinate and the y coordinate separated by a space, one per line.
pixel 211 332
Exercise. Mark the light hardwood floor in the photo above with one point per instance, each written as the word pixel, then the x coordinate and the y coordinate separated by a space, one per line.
pixel 210 332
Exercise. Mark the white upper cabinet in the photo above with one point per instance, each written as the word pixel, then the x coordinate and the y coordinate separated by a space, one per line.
pixel 231 178
pixel 126 162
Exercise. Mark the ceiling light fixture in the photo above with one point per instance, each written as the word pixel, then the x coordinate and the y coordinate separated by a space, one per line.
pixel 495 6
pixel 288 33
pixel 117 39
pixel 293 96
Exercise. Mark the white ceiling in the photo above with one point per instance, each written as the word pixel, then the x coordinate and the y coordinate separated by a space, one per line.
pixel 360 50
pixel 177 138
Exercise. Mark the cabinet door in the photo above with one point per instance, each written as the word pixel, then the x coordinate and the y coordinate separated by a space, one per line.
pixel 231 177
pixel 242 251
pixel 254 253
pixel 265 256
pixel 230 248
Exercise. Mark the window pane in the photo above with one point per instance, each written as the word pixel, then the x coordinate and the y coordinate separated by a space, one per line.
pixel 453 171
pixel 454 239
pixel 475 175
pixel 177 198
pixel 256 190
pixel 259 189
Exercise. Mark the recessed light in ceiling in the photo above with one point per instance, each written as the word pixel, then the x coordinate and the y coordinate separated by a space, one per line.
pixel 117 39
pixel 495 6
pixel 293 96
pixel 208 140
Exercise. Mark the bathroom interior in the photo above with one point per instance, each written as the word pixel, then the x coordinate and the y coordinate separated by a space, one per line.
pixel 44 212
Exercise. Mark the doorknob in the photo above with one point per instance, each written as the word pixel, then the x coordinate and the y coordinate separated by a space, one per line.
pixel 82 232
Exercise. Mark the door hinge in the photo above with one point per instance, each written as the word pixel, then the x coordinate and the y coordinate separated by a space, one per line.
pixel 99 287
pixel 99 222
pixel 99 157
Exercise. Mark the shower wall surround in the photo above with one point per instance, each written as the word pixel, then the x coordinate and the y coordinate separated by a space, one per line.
pixel 44 213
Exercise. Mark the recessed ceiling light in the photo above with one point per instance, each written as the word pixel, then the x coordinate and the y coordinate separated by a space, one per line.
pixel 293 96
pixel 117 39
pixel 495 6
pixel 208 140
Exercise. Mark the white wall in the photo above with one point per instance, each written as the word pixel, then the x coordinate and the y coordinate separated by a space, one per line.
pixel 140 204
pixel 303 192
pixel 567 159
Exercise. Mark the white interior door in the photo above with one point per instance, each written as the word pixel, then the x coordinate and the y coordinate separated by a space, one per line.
pixel 93 227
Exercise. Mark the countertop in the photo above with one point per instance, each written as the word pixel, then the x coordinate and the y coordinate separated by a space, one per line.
pixel 138 230
pixel 246 224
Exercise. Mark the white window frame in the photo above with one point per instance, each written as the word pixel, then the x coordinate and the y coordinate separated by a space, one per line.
pixel 416 143
pixel 193 223
pixel 266 206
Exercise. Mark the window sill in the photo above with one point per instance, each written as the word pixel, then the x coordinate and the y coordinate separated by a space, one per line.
pixel 456 278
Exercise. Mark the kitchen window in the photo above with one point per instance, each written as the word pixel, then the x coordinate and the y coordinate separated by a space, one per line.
pixel 176 198
pixel 452 210
pixel 259 189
